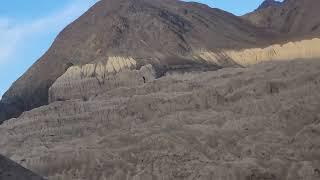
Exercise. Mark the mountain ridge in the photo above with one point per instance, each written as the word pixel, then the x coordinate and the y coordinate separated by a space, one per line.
pixel 268 3
pixel 292 18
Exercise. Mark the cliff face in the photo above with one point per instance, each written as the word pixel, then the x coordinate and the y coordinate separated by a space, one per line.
pixel 292 18
pixel 157 32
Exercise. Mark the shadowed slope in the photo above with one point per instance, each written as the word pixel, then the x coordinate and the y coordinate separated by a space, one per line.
pixel 10 170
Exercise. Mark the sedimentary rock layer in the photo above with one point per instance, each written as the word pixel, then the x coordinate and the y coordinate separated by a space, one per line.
pixel 305 49
pixel 83 82
pixel 91 79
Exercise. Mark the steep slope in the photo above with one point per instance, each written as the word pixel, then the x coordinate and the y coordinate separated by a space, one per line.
pixel 10 170
pixel 256 123
pixel 293 17
pixel 163 33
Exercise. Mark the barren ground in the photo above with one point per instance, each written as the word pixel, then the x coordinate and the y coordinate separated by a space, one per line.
pixel 260 122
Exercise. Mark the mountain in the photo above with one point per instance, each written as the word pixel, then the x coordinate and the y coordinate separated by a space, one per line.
pixel 268 3
pixel 164 89
pixel 292 18
pixel 164 33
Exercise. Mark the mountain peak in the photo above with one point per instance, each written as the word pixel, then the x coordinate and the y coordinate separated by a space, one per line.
pixel 269 3
pixel 290 17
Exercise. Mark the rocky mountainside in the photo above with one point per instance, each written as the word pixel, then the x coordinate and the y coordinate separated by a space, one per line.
pixel 164 89
pixel 164 33
pixel 294 18
pixel 86 81
pixel 261 122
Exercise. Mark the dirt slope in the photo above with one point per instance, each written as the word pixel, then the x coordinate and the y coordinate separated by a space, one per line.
pixel 160 32
pixel 255 123
pixel 293 18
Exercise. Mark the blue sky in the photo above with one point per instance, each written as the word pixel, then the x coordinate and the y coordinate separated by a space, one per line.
pixel 28 27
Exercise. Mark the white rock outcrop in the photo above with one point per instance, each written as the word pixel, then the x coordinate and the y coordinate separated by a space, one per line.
pixel 83 82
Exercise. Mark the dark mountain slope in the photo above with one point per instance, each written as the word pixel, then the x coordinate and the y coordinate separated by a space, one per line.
pixel 10 170
pixel 295 18
pixel 153 31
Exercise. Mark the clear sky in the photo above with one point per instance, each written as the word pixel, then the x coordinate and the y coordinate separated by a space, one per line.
pixel 28 27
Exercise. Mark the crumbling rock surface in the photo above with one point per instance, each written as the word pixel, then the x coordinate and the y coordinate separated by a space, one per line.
pixel 260 122
pixel 93 79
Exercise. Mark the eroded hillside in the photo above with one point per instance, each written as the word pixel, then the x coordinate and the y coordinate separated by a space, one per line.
pixel 164 89
pixel 260 122
pixel 93 79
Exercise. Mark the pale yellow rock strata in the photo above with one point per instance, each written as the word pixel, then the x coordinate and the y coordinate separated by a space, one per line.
pixel 305 49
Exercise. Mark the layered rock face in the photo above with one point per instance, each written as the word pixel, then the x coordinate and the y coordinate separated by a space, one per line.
pixel 261 122
pixel 157 32
pixel 93 79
